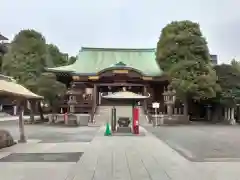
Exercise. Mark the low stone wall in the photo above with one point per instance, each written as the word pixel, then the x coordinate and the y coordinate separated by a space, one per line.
pixel 83 119
pixel 176 119
pixel 72 119
pixel 169 120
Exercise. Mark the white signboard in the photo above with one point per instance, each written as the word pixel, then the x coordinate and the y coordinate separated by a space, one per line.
pixel 155 105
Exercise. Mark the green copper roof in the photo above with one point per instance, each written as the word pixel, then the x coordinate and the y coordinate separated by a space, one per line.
pixel 94 60
pixel 119 64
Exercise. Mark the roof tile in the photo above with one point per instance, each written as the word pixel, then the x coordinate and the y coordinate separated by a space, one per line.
pixel 94 60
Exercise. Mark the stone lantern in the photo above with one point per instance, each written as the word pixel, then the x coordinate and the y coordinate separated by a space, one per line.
pixel 169 99
pixel 72 99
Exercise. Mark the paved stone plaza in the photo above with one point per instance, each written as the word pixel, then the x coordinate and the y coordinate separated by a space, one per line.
pixel 45 133
pixel 96 157
pixel 202 142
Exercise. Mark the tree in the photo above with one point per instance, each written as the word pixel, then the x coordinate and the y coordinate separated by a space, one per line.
pixel 193 80
pixel 235 64
pixel 1 59
pixel 183 54
pixel 229 80
pixel 72 60
pixel 229 96
pixel 25 59
pixel 50 88
pixel 56 57
pixel 181 40
pixel 3 50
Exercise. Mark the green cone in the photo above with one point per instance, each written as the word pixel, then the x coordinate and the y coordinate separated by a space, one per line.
pixel 107 131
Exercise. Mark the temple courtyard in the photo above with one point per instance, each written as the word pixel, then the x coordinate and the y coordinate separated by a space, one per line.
pixel 162 153
pixel 202 143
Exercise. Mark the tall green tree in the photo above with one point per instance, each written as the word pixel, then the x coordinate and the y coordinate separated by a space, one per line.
pixel 229 96
pixel 181 40
pixel 72 60
pixel 1 60
pixel 55 56
pixel 229 80
pixel 183 54
pixel 3 50
pixel 193 80
pixel 235 64
pixel 25 59
pixel 50 88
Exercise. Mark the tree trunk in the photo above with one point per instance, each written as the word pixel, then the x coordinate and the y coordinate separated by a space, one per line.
pixel 40 111
pixel 32 105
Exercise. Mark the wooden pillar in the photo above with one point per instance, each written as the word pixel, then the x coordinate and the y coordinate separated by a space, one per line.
pixel 15 110
pixel 225 114
pixel 232 119
pixel 179 110
pixel 145 101
pixel 22 138
pixel 229 114
pixel 175 110
pixel 94 99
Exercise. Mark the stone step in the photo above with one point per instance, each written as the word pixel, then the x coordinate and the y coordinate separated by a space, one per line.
pixel 124 130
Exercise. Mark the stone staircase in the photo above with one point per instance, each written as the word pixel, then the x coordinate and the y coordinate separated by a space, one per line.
pixel 103 114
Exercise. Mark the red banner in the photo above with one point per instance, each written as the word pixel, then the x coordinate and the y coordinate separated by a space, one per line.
pixel 135 120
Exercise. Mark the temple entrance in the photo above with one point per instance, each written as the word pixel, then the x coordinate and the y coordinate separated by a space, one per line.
pixel 113 88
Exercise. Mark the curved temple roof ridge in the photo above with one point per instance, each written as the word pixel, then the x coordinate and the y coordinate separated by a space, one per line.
pixel 95 60
pixel 119 64
pixel 117 49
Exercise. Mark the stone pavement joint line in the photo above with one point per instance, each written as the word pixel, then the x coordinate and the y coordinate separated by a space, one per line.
pixel 133 158
pixel 113 158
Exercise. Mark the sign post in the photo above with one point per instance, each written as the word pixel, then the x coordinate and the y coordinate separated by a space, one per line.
pixel 155 105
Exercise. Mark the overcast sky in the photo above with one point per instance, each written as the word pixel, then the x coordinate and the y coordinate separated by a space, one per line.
pixel 72 24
